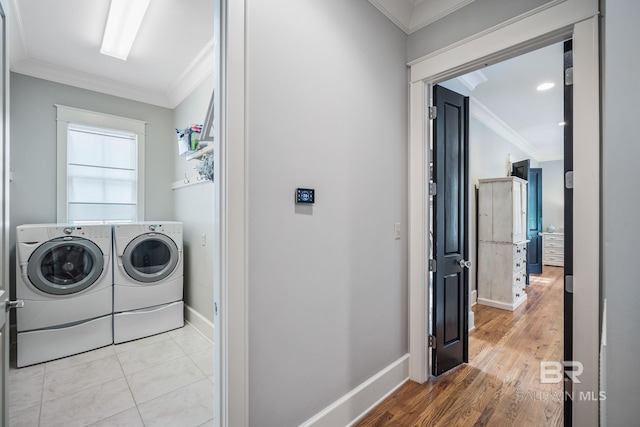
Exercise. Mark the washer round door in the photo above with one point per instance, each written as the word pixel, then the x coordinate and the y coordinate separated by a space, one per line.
pixel 150 257
pixel 65 265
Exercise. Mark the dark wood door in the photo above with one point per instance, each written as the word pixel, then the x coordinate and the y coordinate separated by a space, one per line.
pixel 450 206
pixel 534 221
pixel 521 169
pixel 568 226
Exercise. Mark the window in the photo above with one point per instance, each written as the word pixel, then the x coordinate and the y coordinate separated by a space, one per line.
pixel 100 167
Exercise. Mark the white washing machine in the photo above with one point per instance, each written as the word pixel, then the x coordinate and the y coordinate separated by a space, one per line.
pixel 147 279
pixel 64 277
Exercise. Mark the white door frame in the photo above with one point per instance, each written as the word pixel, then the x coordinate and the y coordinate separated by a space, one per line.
pixel 543 26
pixel 4 216
pixel 231 362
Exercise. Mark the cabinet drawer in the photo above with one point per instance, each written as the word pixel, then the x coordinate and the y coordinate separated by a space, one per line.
pixel 553 251
pixel 557 260
pixel 518 293
pixel 554 238
pixel 519 279
pixel 519 264
pixel 520 250
pixel 553 244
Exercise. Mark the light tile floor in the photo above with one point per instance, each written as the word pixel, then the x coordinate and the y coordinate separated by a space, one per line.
pixel 163 380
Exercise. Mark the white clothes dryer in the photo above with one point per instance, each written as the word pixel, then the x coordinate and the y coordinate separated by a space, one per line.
pixel 64 277
pixel 147 279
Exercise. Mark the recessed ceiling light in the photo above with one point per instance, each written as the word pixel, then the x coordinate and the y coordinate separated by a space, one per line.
pixel 123 23
pixel 545 86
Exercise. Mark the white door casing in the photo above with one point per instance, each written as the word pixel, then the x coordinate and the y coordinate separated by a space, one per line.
pixel 4 214
pixel 231 367
pixel 571 18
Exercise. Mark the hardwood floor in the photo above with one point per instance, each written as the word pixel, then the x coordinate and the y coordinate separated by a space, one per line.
pixel 500 386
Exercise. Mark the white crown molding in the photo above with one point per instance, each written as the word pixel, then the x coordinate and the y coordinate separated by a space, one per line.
pixel 391 15
pixel 197 72
pixel 418 22
pixel 413 15
pixel 551 157
pixel 21 62
pixel 485 116
pixel 55 73
pixel 473 79
pixel 18 50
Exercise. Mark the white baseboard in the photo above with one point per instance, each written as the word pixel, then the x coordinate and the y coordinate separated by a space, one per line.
pixel 354 405
pixel 503 305
pixel 199 322
pixel 472 315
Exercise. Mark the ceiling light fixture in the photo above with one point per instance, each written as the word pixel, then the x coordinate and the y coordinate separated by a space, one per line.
pixel 562 124
pixel 123 23
pixel 545 86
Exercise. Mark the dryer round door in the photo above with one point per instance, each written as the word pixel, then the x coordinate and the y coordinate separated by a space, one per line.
pixel 65 265
pixel 150 257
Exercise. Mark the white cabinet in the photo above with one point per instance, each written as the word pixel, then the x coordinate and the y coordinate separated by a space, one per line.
pixel 502 210
pixel 553 249
pixel 502 248
pixel 502 274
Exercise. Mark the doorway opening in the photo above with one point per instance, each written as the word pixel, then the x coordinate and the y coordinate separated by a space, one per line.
pixel 586 127
pixel 515 187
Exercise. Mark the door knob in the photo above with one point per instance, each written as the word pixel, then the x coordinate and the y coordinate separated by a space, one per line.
pixel 464 264
pixel 14 304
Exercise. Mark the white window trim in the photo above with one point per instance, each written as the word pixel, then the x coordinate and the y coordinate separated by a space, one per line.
pixel 66 115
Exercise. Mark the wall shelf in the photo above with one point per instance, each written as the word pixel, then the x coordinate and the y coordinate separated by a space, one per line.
pixel 189 180
pixel 199 153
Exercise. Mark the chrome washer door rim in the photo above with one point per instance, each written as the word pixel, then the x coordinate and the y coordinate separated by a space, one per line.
pixel 44 284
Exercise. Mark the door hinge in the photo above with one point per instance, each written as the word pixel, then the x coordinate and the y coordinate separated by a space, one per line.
pixel 433 112
pixel 215 308
pixel 568 283
pixel 432 341
pixel 568 180
pixel 432 265
pixel 568 76
pixel 433 189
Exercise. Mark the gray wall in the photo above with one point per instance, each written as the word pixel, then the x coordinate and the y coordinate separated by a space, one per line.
pixel 488 155
pixel 621 210
pixel 465 22
pixel 33 148
pixel 553 194
pixel 327 109
pixel 194 207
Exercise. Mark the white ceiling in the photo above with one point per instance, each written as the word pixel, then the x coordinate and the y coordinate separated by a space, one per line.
pixel 509 103
pixel 173 53
pixel 60 41
pixel 506 100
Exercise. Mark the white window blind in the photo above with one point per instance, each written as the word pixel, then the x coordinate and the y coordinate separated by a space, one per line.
pixel 101 175
pixel 100 167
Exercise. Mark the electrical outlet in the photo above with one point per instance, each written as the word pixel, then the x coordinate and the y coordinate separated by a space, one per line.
pixel 203 240
pixel 396 231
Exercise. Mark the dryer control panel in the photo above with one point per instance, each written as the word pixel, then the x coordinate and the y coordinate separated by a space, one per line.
pixel 87 232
